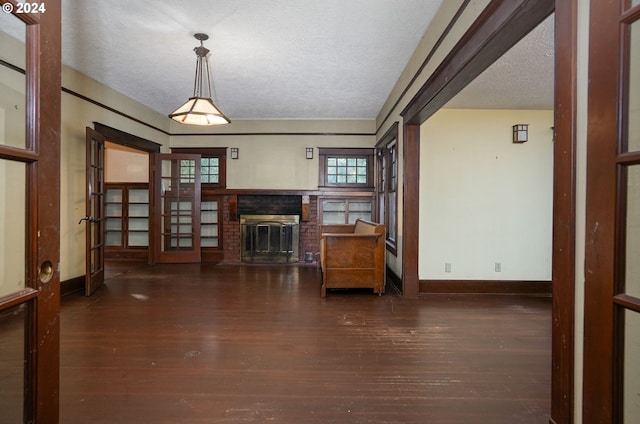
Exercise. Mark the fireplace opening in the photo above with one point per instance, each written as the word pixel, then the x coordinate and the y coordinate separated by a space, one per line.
pixel 269 238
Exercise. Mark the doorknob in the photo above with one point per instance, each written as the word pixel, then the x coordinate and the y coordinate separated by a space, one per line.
pixel 88 218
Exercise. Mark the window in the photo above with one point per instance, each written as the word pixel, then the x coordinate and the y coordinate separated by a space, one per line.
pixel 345 210
pixel 187 171
pixel 347 168
pixel 212 166
pixel 387 155
pixel 210 170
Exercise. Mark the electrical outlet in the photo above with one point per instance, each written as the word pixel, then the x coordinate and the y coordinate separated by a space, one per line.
pixel 498 267
pixel 447 267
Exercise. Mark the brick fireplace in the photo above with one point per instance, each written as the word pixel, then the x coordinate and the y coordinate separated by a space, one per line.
pixel 305 208
pixel 269 238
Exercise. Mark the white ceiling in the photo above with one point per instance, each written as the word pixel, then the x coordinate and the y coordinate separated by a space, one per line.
pixel 282 59
pixel 521 79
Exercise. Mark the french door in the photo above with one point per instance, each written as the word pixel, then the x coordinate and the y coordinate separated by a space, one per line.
pixel 30 215
pixel 94 218
pixel 177 208
pixel 612 264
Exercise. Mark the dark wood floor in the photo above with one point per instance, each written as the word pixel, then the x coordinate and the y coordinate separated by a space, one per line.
pixel 236 344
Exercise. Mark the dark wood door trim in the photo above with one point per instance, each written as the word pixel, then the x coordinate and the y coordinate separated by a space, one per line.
pixel 46 118
pixel 122 138
pixel 411 209
pixel 500 26
pixel 605 196
pixel 564 213
pixel 94 211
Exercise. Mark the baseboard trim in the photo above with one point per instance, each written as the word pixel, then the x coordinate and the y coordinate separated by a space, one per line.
pixel 71 286
pixel 394 282
pixel 486 287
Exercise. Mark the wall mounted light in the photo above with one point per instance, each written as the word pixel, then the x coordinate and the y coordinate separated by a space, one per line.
pixel 199 109
pixel 309 152
pixel 235 153
pixel 520 133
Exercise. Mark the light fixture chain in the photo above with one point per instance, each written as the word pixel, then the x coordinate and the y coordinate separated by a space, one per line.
pixel 210 85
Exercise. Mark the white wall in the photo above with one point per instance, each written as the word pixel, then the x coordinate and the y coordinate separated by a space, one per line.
pixel 272 153
pixel 483 199
pixel 411 81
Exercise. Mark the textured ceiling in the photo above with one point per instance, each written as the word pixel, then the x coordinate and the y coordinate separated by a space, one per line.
pixel 282 59
pixel 521 79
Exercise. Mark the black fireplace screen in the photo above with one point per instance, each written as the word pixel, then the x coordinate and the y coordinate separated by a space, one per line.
pixel 269 238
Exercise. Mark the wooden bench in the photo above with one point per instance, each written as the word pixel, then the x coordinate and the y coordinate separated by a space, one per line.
pixel 353 256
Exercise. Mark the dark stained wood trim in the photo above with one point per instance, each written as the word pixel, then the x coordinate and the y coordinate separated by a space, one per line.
pixel 73 285
pixel 113 110
pixel 411 209
pixel 17 154
pixel 46 119
pixel 12 66
pixel 486 286
pixel 27 18
pixel 332 192
pixel 282 133
pixel 13 299
pixel 122 138
pixel 394 282
pixel 564 213
pixel 498 28
pixel 602 134
pixel 390 135
pixel 33 334
pixel 629 302
pixel 369 153
pixel 426 61
pixel 217 151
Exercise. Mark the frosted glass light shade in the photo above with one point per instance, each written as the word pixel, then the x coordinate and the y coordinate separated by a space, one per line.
pixel 199 111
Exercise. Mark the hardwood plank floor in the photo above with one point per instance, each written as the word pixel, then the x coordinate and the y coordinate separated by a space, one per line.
pixel 235 344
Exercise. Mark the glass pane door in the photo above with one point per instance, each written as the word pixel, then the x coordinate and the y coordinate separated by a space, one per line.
pixel 627 333
pixel 13 325
pixel 29 215
pixel 95 205
pixel 12 226
pixel 178 199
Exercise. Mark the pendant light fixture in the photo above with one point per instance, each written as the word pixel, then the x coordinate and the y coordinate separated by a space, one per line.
pixel 200 109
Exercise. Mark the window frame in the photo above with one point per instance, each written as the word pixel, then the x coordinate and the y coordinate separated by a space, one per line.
pixel 387 165
pixel 347 200
pixel 325 153
pixel 207 153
